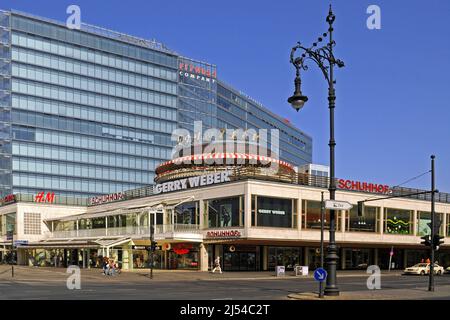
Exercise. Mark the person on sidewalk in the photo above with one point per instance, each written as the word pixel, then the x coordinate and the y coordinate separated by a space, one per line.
pixel 217 265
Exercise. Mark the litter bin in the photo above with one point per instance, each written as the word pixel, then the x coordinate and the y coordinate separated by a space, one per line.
pixel 280 271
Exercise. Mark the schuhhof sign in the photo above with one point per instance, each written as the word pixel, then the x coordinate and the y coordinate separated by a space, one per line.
pixel 363 186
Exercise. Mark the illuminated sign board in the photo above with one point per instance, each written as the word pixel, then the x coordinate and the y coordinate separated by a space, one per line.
pixel 190 70
pixel 43 197
pixel 363 186
pixel 10 198
pixel 192 182
pixel 107 198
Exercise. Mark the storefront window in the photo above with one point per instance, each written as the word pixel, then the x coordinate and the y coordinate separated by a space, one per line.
pixel 98 223
pixel 368 222
pixel 424 221
pixel 187 213
pixel 448 225
pixel 122 220
pixel 311 216
pixel 358 258
pixel 65 226
pixel 284 256
pixel 184 256
pixel 240 258
pixel 7 223
pixel 273 212
pixel 397 221
pixel 225 212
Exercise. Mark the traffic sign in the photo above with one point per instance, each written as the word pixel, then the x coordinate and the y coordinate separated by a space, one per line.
pixel 20 243
pixel 320 274
pixel 340 205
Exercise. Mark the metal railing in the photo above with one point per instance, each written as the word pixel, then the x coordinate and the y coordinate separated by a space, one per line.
pixel 124 231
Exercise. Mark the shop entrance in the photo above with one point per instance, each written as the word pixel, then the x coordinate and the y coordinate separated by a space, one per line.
pixel 240 258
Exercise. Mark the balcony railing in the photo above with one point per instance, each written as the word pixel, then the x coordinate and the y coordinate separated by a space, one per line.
pixel 125 231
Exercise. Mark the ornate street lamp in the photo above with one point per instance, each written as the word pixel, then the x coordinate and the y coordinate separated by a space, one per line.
pixel 324 58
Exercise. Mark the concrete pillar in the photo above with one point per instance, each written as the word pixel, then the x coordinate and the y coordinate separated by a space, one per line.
pixel 343 256
pixel 265 255
pixel 83 257
pixel 127 261
pixel 203 257
pixel 247 207
pixel 343 213
pixel 381 225
pixel 415 216
pixel 21 257
pixel 201 215
pixel 405 258
pixel 88 256
pixel 306 256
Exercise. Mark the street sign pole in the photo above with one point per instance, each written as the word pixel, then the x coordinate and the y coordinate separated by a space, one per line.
pixel 391 253
pixel 433 231
pixel 322 218
pixel 151 244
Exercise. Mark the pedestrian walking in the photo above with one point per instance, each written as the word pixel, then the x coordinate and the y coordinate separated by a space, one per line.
pixel 217 265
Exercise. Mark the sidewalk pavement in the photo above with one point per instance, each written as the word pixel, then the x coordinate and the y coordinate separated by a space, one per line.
pixel 419 293
pixel 42 273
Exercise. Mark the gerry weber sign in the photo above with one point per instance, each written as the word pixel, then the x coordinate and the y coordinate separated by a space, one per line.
pixel 193 182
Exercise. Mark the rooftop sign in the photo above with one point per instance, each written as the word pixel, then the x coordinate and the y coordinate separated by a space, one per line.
pixel 192 182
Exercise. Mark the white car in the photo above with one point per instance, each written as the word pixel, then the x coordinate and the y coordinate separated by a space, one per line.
pixel 424 268
pixel 447 270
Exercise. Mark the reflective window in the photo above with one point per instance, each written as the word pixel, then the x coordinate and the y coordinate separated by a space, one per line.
pixel 225 212
pixel 397 221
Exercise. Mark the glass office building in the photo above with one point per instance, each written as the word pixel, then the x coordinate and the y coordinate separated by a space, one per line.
pixel 91 111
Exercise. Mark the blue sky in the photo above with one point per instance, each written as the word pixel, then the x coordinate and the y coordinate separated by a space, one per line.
pixel 393 96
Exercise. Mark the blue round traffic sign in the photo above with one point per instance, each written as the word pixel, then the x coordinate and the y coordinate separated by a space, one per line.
pixel 320 274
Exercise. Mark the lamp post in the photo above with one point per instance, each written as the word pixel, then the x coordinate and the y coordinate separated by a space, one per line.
pixel 325 60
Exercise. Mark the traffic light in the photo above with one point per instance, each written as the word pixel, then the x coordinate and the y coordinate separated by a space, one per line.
pixel 437 241
pixel 426 240
pixel 360 208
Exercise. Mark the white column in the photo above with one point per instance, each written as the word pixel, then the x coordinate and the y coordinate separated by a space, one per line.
pixel 126 265
pixel 247 207
pixel 381 225
pixel 203 257
pixel 344 253
pixel 343 213
pixel 415 216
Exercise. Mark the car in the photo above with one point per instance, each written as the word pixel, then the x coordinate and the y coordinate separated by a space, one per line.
pixel 424 268
pixel 447 270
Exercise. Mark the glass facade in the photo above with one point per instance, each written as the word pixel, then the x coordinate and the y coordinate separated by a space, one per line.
pixel 368 222
pixel 311 216
pixel 91 111
pixel 225 212
pixel 273 212
pixel 236 110
pixel 89 114
pixel 5 105
pixel 398 221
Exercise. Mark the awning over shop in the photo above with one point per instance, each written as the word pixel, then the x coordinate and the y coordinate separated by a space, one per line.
pixel 77 244
pixel 156 205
